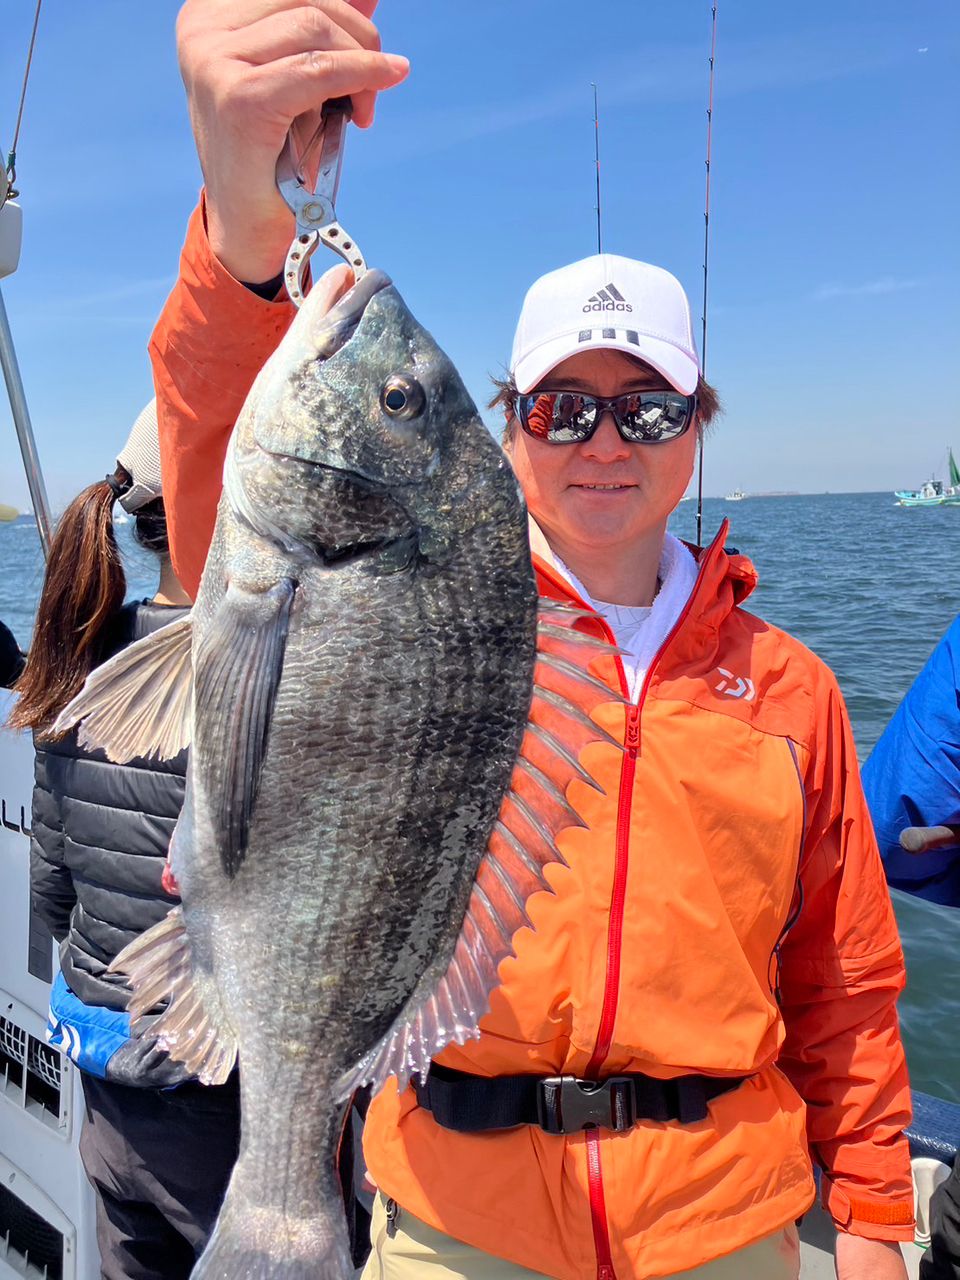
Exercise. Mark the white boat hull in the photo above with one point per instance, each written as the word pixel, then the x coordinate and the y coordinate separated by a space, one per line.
pixel 39 1124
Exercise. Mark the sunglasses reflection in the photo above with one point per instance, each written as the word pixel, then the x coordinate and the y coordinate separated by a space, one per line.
pixel 572 417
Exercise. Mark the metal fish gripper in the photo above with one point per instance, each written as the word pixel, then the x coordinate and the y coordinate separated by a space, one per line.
pixel 314 202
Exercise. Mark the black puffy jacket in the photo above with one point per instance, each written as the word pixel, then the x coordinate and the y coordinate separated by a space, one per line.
pixel 100 838
pixel 11 659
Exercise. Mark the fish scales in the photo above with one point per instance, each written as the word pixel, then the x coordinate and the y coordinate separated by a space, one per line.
pixel 363 646
pixel 403 697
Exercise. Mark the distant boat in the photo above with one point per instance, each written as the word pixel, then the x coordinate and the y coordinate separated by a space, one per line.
pixel 737 496
pixel 933 492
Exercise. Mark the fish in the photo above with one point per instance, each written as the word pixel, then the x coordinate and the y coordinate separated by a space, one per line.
pixel 384 720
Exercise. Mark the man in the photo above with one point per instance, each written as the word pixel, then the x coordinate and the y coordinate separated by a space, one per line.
pixel 720 950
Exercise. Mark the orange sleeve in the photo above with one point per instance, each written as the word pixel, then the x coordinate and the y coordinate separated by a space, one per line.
pixel 841 970
pixel 211 340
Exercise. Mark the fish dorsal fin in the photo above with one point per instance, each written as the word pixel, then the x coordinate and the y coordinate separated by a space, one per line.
pixel 158 967
pixel 534 811
pixel 238 666
pixel 138 704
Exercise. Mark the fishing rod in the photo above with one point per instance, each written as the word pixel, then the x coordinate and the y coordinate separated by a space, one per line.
pixel 706 260
pixel 596 152
pixel 11 165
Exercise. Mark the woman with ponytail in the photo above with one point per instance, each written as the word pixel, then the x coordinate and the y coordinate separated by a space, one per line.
pixel 157 1146
pixel 80 618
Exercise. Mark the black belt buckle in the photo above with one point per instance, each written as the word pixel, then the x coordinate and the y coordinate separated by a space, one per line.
pixel 568 1105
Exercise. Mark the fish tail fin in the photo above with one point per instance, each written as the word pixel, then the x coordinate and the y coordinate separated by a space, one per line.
pixel 257 1242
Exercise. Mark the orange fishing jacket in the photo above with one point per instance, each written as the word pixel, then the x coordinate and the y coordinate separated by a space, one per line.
pixel 723 912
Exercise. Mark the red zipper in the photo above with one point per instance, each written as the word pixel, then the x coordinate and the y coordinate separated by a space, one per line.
pixel 598 1208
pixel 598 1211
pixel 618 901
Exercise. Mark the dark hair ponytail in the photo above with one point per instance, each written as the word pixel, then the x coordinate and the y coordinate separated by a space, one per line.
pixel 83 589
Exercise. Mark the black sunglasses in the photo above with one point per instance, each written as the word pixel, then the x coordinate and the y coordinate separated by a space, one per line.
pixel 571 417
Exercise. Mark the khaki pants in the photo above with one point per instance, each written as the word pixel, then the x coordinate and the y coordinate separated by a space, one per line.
pixel 415 1250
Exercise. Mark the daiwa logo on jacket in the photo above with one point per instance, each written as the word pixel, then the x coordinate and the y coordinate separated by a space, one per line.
pixel 607 299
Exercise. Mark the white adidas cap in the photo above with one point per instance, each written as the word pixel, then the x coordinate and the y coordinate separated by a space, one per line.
pixel 140 456
pixel 610 302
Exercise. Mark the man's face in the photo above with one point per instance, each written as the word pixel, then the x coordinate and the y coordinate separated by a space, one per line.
pixel 603 496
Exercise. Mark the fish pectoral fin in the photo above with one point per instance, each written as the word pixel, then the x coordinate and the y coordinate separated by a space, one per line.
pixel 239 664
pixel 158 966
pixel 138 704
pixel 534 810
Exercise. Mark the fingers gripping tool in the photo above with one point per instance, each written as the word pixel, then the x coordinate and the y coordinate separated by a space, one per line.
pixel 314 203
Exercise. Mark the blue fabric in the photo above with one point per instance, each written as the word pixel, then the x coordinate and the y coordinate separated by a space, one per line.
pixel 912 778
pixel 89 1034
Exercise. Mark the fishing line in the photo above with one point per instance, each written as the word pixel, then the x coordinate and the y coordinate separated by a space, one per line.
pixel 12 156
pixel 596 152
pixel 706 259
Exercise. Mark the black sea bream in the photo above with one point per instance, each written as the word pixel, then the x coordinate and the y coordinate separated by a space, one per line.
pixel 356 678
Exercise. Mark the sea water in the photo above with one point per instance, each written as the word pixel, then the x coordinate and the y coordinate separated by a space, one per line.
pixel 869 586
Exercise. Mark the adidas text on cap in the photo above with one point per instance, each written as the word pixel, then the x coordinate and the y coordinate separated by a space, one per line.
pixel 606 302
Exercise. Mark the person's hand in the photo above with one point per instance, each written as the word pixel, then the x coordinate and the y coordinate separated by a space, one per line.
pixel 250 68
pixel 861 1259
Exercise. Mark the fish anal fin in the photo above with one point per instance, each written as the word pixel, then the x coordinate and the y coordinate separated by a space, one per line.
pixel 137 705
pixel 158 966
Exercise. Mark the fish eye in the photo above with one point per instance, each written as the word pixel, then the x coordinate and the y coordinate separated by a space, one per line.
pixel 402 397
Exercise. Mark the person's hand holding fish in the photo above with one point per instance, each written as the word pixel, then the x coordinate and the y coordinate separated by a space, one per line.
pixel 251 68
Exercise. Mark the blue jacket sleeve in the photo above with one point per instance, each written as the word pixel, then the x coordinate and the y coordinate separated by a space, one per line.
pixel 912 778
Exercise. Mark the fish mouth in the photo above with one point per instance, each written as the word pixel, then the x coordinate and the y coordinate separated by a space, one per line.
pixel 338 305
pixel 329 317
pixel 294 467
pixel 294 474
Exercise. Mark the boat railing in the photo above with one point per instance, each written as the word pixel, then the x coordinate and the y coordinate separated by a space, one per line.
pixel 11 236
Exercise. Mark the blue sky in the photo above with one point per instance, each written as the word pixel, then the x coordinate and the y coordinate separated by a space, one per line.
pixel 834 264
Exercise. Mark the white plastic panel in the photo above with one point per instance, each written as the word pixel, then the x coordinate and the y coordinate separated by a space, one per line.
pixel 11 237
pixel 38 1130
pixel 36 1236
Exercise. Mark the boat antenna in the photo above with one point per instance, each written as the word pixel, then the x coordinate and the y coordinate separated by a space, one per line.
pixel 596 153
pixel 706 260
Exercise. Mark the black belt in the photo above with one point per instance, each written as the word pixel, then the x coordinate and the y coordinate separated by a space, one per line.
pixel 564 1104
